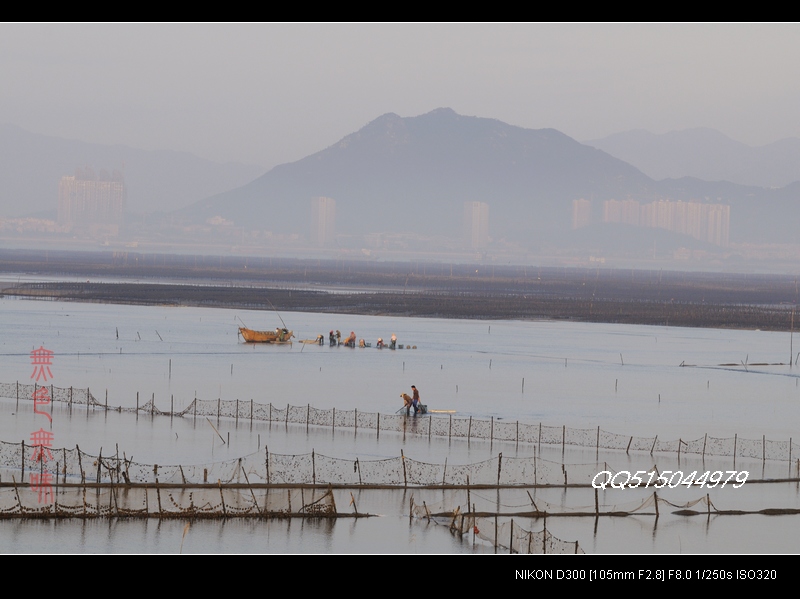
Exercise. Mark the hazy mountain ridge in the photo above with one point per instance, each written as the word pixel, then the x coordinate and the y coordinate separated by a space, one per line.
pixel 706 154
pixel 415 173
pixel 394 175
pixel 31 165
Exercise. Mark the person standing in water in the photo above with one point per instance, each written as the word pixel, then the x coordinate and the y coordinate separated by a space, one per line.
pixel 415 398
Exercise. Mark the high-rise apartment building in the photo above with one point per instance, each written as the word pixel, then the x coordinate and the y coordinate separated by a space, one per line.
pixel 86 199
pixel 323 221
pixel 706 222
pixel 621 211
pixel 476 224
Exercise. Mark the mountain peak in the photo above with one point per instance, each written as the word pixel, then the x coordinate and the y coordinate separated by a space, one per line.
pixel 443 111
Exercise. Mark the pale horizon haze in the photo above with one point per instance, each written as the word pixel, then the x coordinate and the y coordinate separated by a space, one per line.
pixel 268 94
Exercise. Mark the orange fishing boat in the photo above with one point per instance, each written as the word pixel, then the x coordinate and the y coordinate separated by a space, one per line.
pixel 277 336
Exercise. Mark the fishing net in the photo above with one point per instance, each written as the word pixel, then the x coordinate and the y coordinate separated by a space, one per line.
pixel 264 467
pixel 439 426
pixel 211 502
pixel 501 533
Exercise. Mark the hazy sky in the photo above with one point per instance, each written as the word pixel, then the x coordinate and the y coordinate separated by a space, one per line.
pixel 273 93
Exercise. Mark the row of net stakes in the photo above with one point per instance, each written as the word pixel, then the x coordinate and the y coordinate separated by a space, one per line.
pixel 113 508
pixel 193 407
pixel 100 464
pixel 491 436
pixel 333 425
pixel 462 517
pixel 117 467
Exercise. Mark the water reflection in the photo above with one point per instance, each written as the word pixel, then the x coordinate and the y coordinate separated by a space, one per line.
pixel 626 380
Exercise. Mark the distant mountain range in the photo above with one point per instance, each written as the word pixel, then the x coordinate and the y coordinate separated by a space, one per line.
pixel 31 165
pixel 706 154
pixel 413 174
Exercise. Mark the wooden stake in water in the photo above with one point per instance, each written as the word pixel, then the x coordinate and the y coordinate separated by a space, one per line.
pixel 597 451
pixel 216 431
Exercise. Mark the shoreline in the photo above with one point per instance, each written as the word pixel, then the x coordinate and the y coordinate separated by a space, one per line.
pixel 459 291
pixel 424 304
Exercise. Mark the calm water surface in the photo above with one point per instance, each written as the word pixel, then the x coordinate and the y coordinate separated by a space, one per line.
pixel 624 379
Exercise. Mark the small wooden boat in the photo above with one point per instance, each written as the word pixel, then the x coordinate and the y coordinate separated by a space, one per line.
pixel 277 336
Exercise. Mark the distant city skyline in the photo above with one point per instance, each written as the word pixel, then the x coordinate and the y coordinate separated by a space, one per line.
pixel 88 200
pixel 704 221
pixel 251 92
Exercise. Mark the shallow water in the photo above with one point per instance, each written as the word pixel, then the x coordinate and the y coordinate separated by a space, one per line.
pixel 624 379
